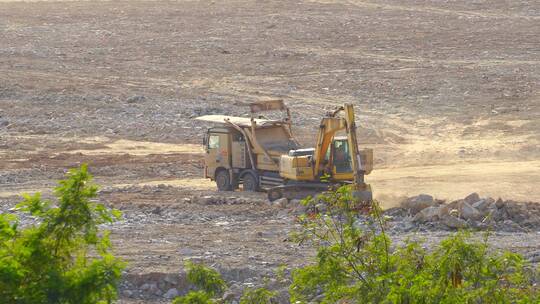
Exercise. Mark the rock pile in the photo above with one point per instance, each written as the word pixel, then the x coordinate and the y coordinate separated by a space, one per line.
pixel 167 286
pixel 470 212
pixel 154 285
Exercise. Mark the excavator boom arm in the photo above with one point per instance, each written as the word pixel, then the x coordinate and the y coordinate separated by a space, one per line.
pixel 353 145
pixel 328 128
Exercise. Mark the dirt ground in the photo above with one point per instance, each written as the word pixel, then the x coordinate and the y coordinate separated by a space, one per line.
pixel 446 92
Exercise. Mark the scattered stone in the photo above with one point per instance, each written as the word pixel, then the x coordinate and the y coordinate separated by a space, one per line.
pixel 233 293
pixel 510 226
pixel 151 288
pixel 295 202
pixel 187 251
pixel 300 209
pixel 171 293
pixel 533 257
pixel 321 207
pixel 229 296
pixel 157 210
pixel 532 222
pixel 282 202
pixel 171 279
pixel 136 99
pixel 406 226
pixel 206 200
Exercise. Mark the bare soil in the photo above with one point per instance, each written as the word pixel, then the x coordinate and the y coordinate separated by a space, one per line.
pixel 447 94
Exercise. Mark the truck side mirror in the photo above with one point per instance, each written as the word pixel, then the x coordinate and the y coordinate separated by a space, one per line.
pixel 205 142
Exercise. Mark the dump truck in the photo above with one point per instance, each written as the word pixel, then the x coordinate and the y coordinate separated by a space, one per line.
pixel 261 154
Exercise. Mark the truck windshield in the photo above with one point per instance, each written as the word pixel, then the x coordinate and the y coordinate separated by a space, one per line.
pixel 213 142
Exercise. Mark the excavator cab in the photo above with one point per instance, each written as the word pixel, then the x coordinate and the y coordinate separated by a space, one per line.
pixel 335 160
pixel 341 159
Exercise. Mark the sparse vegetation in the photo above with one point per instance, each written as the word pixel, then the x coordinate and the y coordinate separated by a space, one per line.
pixel 64 257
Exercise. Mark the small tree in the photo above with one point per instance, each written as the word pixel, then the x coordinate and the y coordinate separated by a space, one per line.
pixel 50 262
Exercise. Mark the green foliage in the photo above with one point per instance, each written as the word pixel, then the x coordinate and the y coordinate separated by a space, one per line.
pixel 355 264
pixel 194 297
pixel 207 280
pixel 49 262
pixel 257 296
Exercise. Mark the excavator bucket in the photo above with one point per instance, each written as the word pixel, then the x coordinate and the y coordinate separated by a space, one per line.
pixel 363 195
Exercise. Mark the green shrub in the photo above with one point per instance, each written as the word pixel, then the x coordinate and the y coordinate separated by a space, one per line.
pixel 50 262
pixel 355 263
pixel 207 280
pixel 194 297
pixel 257 296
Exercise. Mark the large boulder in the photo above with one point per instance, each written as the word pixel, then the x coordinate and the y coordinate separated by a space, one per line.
pixel 416 203
pixel 429 214
pixel 497 215
pixel 472 198
pixel 483 204
pixel 468 212
pixel 453 222
pixel 499 203
pixel 517 212
pixel 454 206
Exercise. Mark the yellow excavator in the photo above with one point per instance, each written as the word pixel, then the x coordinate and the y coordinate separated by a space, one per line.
pixel 262 154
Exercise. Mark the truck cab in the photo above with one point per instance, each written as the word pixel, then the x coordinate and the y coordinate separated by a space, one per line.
pixel 225 157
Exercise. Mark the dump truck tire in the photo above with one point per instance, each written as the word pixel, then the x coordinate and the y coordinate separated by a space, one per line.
pixel 251 182
pixel 223 180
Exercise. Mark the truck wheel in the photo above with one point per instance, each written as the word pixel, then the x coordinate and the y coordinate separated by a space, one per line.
pixel 223 180
pixel 250 182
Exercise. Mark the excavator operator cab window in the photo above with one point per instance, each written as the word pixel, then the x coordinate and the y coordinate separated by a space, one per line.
pixel 341 156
